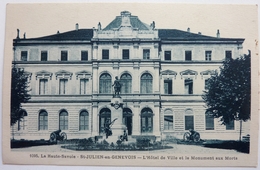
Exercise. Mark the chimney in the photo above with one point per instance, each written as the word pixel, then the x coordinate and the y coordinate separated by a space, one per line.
pixel 24 36
pixel 188 29
pixel 77 27
pixel 58 32
pixel 218 34
pixel 18 34
pixel 99 26
pixel 199 33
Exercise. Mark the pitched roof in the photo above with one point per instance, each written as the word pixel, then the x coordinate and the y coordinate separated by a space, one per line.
pixel 134 21
pixel 80 34
pixel 174 34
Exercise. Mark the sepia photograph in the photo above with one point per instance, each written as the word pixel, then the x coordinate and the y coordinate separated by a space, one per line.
pixel 131 84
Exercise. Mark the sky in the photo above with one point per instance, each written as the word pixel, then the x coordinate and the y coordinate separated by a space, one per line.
pixel 233 21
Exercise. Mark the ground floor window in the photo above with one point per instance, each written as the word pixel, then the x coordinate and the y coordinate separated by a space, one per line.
pixel 168 122
pixel 43 120
pixel 209 119
pixel 189 122
pixel 83 120
pixel 146 121
pixel 63 120
pixel 230 125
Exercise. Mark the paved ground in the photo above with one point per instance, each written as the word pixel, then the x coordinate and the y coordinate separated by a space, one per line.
pixel 177 148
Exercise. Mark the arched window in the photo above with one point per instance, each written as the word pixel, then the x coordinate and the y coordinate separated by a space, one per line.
pixel 126 81
pixel 104 115
pixel 105 83
pixel 83 120
pixel 43 120
pixel 189 119
pixel 146 83
pixel 146 120
pixel 127 120
pixel 168 120
pixel 63 120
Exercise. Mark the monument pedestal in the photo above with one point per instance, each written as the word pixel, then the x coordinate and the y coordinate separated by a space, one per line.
pixel 117 113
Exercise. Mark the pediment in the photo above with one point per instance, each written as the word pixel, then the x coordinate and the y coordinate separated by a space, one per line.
pixel 43 74
pixel 189 72
pixel 168 72
pixel 63 74
pixel 208 72
pixel 83 74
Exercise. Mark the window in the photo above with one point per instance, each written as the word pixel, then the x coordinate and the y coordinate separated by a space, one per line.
pixel 105 54
pixel 146 120
pixel 83 120
pixel 126 81
pixel 230 125
pixel 167 55
pixel 209 121
pixel 189 124
pixel 188 55
pixel 105 83
pixel 168 119
pixel 168 122
pixel 189 119
pixel 83 86
pixel 63 86
pixel 146 83
pixel 167 86
pixel 125 54
pixel 206 86
pixel 208 55
pixel 43 86
pixel 228 55
pixel 63 120
pixel 24 55
pixel 64 56
pixel 105 115
pixel 188 83
pixel 84 55
pixel 146 53
pixel 43 120
pixel 44 56
pixel 22 123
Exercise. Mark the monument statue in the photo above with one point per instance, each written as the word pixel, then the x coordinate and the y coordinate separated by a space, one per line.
pixel 117 87
pixel 108 126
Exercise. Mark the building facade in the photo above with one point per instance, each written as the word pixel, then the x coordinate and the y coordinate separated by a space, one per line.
pixel 163 73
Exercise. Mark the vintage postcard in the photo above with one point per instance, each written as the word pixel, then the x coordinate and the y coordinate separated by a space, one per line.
pixel 131 84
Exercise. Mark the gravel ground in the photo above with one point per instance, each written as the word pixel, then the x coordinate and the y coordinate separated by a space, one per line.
pixel 177 148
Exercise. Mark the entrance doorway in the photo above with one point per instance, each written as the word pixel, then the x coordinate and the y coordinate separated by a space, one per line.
pixel 127 120
pixel 104 115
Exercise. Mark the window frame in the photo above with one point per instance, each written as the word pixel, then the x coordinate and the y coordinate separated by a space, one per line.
pixel 188 55
pixel 105 54
pixel 146 53
pixel 125 54
pixel 146 83
pixel 167 57
pixel 208 55
pixel 190 85
pixel 84 55
pixel 64 122
pixel 62 55
pixel 44 120
pixel 85 120
pixel 43 57
pixel 23 56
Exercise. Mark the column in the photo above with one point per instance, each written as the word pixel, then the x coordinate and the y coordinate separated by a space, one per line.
pixel 136 120
pixel 95 122
pixel 156 119
pixel 95 78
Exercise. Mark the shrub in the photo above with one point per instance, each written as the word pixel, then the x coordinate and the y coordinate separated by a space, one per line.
pixel 143 143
